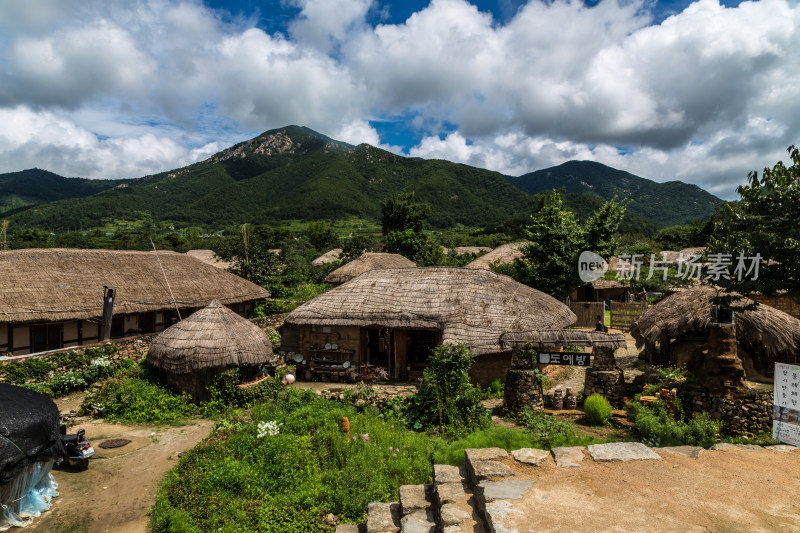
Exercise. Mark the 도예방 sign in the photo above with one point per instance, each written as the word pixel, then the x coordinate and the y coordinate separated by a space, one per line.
pixel 786 423
pixel 564 358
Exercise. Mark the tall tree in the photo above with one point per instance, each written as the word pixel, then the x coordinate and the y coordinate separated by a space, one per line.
pixel 764 222
pixel 402 212
pixel 556 240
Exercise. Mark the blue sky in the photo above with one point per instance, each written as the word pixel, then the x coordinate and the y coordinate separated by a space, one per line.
pixel 702 92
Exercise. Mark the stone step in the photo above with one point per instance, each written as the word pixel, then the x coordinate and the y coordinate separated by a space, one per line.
pixel 383 517
pixel 351 528
pixel 497 499
pixel 417 509
pixel 484 464
pixel 456 506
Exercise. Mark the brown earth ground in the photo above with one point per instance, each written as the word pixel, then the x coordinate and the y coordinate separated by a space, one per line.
pixel 731 490
pixel 118 489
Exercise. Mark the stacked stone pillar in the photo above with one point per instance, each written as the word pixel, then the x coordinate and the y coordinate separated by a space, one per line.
pixel 523 387
pixel 604 377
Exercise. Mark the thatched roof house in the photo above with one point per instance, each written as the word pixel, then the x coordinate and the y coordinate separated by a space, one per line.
pixel 393 317
pixel 214 338
pixel 51 298
pixel 502 254
pixel 366 262
pixel 461 250
pixel 765 333
pixel 328 257
pixel 210 257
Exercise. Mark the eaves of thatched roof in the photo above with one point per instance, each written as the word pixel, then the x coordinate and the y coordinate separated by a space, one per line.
pixel 472 307
pixel 67 284
pixel 690 310
pixel 502 255
pixel 553 339
pixel 213 337
pixel 366 262
pixel 210 257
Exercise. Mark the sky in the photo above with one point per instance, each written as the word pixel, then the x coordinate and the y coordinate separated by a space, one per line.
pixel 701 92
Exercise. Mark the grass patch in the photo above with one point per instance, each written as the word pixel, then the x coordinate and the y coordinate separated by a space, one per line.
pixel 508 439
pixel 288 465
pixel 547 432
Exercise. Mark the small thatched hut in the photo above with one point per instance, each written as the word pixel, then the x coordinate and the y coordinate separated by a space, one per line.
pixel 676 329
pixel 502 254
pixel 393 318
pixel 328 257
pixel 211 340
pixel 366 262
pixel 209 257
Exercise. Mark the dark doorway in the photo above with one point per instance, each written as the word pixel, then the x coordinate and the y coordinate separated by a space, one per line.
pixel 376 347
pixel 118 327
pixel 420 344
pixel 147 322
pixel 45 337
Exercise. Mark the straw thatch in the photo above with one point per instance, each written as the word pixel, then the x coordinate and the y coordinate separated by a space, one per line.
pixel 472 307
pixel 212 338
pixel 696 250
pixel 690 311
pixel 555 339
pixel 670 256
pixel 602 284
pixel 66 284
pixel 210 258
pixel 368 261
pixel 461 250
pixel 502 254
pixel 328 257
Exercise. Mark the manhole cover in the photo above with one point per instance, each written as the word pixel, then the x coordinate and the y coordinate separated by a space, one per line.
pixel 114 443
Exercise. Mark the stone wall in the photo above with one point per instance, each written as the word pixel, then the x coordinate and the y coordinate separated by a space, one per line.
pixel 605 378
pixel 748 411
pixel 523 389
pixel 488 367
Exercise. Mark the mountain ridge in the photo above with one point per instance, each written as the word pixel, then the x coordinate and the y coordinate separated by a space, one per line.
pixel 296 173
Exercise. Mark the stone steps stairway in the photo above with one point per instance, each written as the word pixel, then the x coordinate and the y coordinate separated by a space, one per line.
pixel 455 502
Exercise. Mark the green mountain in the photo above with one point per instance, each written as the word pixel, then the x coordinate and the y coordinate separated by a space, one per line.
pixel 293 173
pixel 34 186
pixel 669 203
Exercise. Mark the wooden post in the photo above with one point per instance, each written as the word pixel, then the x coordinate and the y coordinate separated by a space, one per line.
pixel 109 296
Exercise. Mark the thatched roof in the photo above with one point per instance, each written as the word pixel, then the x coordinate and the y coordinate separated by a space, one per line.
pixel 473 307
pixel 601 284
pixel 210 257
pixel 213 337
pixel 670 256
pixel 554 339
pixel 502 254
pixel 690 310
pixel 328 257
pixel 66 284
pixel 461 250
pixel 368 261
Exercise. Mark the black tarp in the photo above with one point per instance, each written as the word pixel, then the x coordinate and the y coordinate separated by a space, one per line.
pixel 28 430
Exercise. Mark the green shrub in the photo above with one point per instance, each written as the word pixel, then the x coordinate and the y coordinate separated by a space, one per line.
pixel 658 427
pixel 597 410
pixel 548 432
pixel 506 438
pixel 447 400
pixel 139 401
pixel 496 389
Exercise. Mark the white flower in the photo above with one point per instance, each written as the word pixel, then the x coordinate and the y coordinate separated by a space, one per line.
pixel 101 361
pixel 270 428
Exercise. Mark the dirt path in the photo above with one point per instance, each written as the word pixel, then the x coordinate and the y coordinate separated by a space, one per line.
pixel 733 490
pixel 118 489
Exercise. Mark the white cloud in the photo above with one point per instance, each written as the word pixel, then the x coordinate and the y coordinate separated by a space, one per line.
pixel 42 139
pixel 704 96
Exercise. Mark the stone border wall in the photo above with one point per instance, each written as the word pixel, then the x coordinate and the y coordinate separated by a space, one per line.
pixel 749 411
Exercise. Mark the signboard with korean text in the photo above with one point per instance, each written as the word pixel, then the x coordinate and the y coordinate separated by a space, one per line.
pixel 786 423
pixel 564 358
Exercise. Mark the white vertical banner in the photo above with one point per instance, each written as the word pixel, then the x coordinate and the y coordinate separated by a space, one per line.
pixel 786 423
